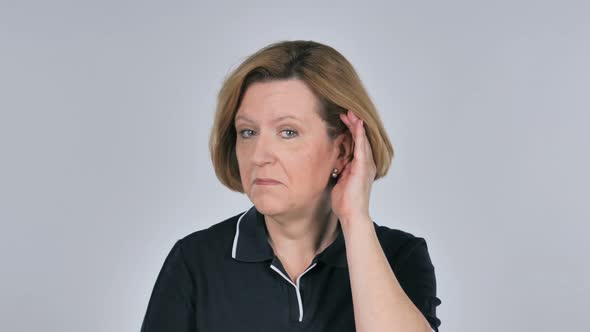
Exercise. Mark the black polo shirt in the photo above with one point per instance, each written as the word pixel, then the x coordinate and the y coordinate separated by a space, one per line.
pixel 227 278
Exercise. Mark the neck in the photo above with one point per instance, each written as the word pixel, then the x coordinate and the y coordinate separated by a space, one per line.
pixel 303 234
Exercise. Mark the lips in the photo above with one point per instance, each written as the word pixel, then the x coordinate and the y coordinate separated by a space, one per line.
pixel 265 181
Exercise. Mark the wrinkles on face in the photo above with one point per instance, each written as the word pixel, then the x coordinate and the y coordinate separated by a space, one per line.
pixel 302 162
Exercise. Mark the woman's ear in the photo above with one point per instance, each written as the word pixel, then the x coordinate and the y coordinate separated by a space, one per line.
pixel 345 145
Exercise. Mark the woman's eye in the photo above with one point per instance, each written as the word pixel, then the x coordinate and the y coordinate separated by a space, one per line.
pixel 242 133
pixel 292 131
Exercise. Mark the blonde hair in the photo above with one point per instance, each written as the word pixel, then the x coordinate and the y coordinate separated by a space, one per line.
pixel 330 77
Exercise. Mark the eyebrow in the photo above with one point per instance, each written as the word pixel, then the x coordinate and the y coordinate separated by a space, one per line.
pixel 245 118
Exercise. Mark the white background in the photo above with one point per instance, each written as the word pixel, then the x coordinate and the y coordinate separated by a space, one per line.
pixel 106 108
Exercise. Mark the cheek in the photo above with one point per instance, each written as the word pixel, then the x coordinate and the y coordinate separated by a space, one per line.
pixel 242 165
pixel 308 165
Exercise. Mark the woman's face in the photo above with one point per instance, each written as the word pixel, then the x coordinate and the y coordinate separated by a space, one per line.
pixel 280 136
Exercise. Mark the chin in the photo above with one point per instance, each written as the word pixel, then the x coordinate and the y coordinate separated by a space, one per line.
pixel 268 204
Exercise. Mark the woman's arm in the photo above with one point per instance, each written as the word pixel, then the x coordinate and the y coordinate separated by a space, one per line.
pixel 379 302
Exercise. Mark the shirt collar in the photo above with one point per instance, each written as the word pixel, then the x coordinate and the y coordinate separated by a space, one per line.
pixel 251 242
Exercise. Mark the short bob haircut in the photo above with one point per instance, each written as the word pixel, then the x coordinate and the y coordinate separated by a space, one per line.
pixel 329 76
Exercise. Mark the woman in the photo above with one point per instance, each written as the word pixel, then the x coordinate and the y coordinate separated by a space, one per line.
pixel 296 132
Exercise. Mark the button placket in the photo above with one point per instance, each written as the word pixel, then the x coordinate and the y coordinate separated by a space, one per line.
pixel 296 285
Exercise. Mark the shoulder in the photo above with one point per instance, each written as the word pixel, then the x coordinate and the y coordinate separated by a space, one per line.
pixel 399 245
pixel 216 236
pixel 410 261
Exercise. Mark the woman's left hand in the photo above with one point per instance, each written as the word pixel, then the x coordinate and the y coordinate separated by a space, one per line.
pixel 350 195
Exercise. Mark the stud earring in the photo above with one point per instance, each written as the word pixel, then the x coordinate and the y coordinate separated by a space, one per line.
pixel 335 173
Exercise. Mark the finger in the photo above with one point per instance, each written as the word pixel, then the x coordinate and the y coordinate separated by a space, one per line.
pixel 363 138
pixel 350 120
pixel 353 118
pixel 344 119
pixel 362 150
pixel 368 151
pixel 369 158
pixel 347 120
pixel 349 124
pixel 355 125
pixel 359 151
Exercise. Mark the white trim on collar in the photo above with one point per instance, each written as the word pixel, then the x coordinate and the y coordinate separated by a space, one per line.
pixel 235 245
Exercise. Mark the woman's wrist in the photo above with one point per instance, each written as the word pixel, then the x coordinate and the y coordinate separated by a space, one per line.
pixel 353 222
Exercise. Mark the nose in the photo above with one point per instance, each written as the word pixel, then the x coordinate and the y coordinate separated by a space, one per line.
pixel 263 150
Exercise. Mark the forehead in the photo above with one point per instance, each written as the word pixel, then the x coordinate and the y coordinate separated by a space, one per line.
pixel 278 99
